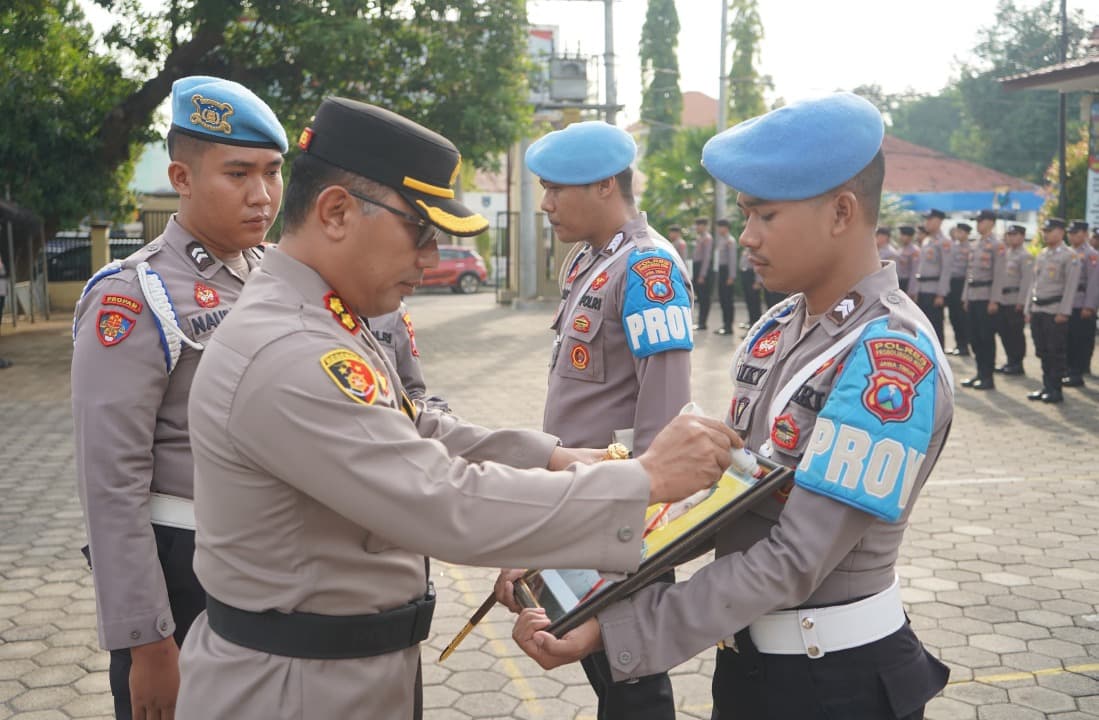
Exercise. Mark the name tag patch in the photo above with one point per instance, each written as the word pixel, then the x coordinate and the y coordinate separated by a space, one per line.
pixel 206 322
pixel 750 374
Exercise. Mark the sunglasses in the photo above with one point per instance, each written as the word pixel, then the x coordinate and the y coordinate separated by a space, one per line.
pixel 428 232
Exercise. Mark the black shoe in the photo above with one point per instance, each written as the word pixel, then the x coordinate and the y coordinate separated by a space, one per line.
pixel 1036 395
pixel 1053 396
pixel 959 352
pixel 700 327
pixel 723 331
pixel 982 384
pixel 1072 381
pixel 1010 369
pixel 969 382
pixel 5 363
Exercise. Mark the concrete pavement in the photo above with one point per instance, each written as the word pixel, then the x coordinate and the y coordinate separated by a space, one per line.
pixel 1000 566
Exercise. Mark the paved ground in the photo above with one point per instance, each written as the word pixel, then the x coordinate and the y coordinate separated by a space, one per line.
pixel 1000 566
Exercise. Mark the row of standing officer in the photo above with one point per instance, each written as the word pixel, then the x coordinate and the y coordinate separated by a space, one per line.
pixel 1001 290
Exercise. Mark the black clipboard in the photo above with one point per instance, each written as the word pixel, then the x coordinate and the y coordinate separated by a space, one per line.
pixel 535 590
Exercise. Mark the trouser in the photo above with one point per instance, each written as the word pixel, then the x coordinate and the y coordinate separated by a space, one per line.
pixel 984 338
pixel 1050 340
pixel 703 291
pixel 1009 324
pixel 650 698
pixel 934 313
pixel 1081 343
pixel 751 296
pixel 773 298
pixel 890 678
pixel 958 319
pixel 176 550
pixel 725 297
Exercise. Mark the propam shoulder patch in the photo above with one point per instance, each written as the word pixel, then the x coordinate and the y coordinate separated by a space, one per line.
pixel 656 309
pixel 353 375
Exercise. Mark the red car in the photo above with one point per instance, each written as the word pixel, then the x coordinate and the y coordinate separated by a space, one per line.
pixel 460 268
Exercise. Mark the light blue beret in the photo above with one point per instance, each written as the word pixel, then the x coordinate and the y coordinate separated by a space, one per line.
pixel 226 112
pixel 582 153
pixel 798 151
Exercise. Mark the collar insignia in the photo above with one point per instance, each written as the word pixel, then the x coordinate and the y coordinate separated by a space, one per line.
pixel 344 317
pixel 199 256
pixel 848 305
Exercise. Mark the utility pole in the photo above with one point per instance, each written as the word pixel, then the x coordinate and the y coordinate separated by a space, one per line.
pixel 722 105
pixel 608 59
pixel 1062 179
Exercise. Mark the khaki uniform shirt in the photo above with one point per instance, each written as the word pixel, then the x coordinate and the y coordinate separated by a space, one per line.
pixel 1056 276
pixel 130 419
pixel 397 337
pixel 1018 277
pixel 623 360
pixel 986 272
pixel 1087 289
pixel 887 397
pixel 316 491
pixel 725 252
pixel 906 266
pixel 702 260
pixel 933 272
pixel 888 252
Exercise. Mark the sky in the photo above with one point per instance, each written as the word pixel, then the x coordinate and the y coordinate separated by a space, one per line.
pixel 809 46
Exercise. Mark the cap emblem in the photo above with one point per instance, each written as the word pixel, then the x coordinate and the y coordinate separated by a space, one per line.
pixel 211 114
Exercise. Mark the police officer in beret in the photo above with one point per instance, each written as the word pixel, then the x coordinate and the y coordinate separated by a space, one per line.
pixel 856 394
pixel 1085 302
pixel 397 337
pixel 933 272
pixel 909 258
pixel 621 359
pixel 984 282
pixel 1018 277
pixel 320 486
pixel 1049 305
pixel 139 331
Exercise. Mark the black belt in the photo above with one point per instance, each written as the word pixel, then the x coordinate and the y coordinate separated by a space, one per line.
pixel 980 283
pixel 921 278
pixel 324 637
pixel 1082 288
pixel 1044 301
pixel 1010 290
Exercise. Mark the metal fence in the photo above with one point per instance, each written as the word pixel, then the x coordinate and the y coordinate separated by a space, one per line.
pixel 68 256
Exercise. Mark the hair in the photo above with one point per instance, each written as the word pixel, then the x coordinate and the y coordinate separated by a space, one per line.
pixel 867 186
pixel 702 221
pixel 624 181
pixel 185 148
pixel 723 223
pixel 309 176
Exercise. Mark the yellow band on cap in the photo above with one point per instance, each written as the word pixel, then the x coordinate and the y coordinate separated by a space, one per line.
pixel 427 189
pixel 463 225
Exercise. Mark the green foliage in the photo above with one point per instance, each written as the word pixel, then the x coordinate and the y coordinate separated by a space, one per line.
pixel 661 101
pixel 55 91
pixel 928 120
pixel 1076 182
pixel 746 86
pixel 677 188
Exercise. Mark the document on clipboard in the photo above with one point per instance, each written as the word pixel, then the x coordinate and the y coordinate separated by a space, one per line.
pixel 674 533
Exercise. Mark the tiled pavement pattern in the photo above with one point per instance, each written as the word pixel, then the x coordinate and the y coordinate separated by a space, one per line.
pixel 1000 566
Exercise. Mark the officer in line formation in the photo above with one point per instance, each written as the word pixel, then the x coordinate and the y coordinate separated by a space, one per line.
pixel 321 488
pixel 1057 271
pixel 702 268
pixel 675 237
pixel 722 251
pixel 848 356
pixel 139 330
pixel 1014 292
pixel 932 283
pixel 1085 302
pixel 621 357
pixel 959 266
pixel 984 283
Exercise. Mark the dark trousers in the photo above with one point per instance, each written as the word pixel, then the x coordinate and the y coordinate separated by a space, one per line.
pixel 703 292
pixel 934 313
pixel 1081 343
pixel 1009 324
pixel 725 297
pixel 1050 341
pixel 891 678
pixel 984 338
pixel 176 550
pixel 751 296
pixel 958 319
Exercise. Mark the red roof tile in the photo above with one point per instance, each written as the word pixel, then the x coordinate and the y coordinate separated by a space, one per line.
pixel 911 168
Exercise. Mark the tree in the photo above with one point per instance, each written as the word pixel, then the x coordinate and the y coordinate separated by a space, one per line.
pixel 1076 181
pixel 457 66
pixel 746 85
pixel 661 100
pixel 677 188
pixel 928 120
pixel 55 91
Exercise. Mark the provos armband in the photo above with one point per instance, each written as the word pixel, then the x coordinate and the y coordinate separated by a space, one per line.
pixel 656 311
pixel 872 435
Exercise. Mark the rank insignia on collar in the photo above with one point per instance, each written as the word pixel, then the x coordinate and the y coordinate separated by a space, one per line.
pixel 582 323
pixel 766 345
pixel 344 317
pixel 353 375
pixel 580 357
pixel 206 296
pixel 113 327
pixel 843 310
pixel 897 367
pixel 407 320
pixel 125 301
pixel 600 280
pixel 656 274
pixel 211 114
pixel 199 256
pixel 785 432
